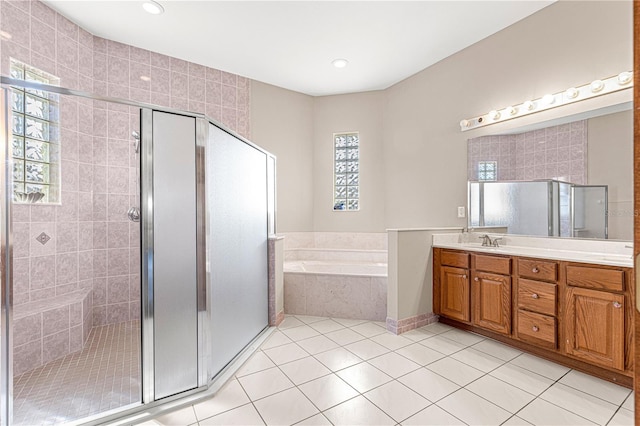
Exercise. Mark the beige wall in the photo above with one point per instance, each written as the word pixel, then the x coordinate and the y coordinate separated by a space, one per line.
pixel 418 153
pixel 360 112
pixel 610 162
pixel 282 123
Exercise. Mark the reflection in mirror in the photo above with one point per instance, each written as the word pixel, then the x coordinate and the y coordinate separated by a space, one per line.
pixel 594 152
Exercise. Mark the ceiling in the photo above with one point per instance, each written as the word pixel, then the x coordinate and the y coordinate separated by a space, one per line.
pixel 291 43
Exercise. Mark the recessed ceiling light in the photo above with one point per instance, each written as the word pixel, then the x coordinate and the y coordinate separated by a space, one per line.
pixel 145 78
pixel 340 63
pixel 153 7
pixel 5 35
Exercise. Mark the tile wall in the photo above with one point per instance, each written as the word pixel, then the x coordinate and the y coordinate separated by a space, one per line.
pixel 92 244
pixel 557 152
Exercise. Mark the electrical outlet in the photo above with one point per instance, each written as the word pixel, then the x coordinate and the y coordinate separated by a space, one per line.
pixel 461 212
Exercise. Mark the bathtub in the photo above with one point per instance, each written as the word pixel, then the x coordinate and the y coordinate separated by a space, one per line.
pixel 339 275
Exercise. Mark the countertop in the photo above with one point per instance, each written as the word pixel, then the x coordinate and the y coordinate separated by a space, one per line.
pixel 612 253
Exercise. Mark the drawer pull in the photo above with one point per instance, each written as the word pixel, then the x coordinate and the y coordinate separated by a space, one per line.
pixel 535 270
pixel 617 305
pixel 477 279
pixel 535 328
pixel 535 296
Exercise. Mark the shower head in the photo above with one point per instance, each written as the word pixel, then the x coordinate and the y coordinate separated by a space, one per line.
pixel 136 144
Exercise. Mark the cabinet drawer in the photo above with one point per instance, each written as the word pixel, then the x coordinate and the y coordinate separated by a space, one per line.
pixel 454 258
pixel 537 328
pixel 537 296
pixel 596 278
pixel 495 264
pixel 538 269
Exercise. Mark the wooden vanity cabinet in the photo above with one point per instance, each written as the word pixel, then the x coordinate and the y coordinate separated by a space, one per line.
pixel 595 315
pixel 453 295
pixel 577 314
pixel 491 292
pixel 536 317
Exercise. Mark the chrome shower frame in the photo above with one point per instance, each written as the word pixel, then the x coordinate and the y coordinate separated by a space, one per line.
pixel 208 382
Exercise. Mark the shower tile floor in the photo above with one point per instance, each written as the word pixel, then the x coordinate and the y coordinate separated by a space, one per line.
pixel 103 376
pixel 317 371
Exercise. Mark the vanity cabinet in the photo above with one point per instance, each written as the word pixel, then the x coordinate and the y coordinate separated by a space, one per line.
pixel 454 291
pixel 577 314
pixel 595 315
pixel 491 292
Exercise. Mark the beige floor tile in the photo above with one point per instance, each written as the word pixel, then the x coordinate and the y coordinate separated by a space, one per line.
pixel 500 393
pixel 363 377
pixel 456 371
pixel 396 400
pixel 265 383
pixel 298 407
pixel 328 391
pixel 472 409
pixel 317 344
pixel 230 396
pixel 541 412
pixel 358 411
pixel 258 362
pixel 429 384
pixel 433 416
pixel 304 370
pixel 337 359
pixel 393 364
pixel 245 415
pixel 366 349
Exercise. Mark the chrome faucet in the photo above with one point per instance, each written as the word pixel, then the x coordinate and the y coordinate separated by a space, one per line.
pixel 486 240
pixel 494 243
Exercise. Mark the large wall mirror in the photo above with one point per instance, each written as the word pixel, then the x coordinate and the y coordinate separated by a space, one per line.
pixel 589 153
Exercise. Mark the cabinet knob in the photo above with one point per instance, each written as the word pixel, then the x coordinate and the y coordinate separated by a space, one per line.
pixel 464 276
pixel 535 328
pixel 476 279
pixel 617 305
pixel 535 296
pixel 535 270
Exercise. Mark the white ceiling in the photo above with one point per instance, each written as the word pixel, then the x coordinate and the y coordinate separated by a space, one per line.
pixel 291 43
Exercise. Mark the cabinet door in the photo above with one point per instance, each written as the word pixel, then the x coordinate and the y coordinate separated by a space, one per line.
pixel 492 302
pixel 595 326
pixel 454 293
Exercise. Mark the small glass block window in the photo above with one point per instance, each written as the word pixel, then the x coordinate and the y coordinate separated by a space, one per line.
pixel 487 170
pixel 346 183
pixel 34 135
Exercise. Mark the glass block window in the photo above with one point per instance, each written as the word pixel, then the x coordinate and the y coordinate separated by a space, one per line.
pixel 487 170
pixel 346 183
pixel 35 136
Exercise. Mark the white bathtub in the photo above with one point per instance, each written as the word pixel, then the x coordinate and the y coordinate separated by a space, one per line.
pixel 322 280
pixel 336 268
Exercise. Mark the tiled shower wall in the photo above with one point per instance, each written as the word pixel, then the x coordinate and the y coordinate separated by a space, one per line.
pixel 93 245
pixel 557 152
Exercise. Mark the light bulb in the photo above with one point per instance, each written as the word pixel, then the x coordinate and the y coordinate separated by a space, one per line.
pixel 153 7
pixel 465 123
pixel 548 99
pixel 512 110
pixel 494 115
pixel 597 85
pixel 529 105
pixel 572 92
pixel 624 78
pixel 340 63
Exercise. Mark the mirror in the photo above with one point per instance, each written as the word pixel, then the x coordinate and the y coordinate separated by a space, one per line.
pixel 592 151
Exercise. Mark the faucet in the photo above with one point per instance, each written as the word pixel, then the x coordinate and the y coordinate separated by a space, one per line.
pixel 494 243
pixel 486 240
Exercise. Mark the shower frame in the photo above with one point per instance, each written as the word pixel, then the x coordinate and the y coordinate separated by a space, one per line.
pixel 208 382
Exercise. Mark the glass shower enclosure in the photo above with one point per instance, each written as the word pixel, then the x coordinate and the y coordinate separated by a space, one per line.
pixel 545 207
pixel 146 279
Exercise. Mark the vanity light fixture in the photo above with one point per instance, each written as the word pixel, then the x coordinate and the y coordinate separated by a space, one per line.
pixel 624 78
pixel 597 86
pixel 153 7
pixel 622 81
pixel 548 99
pixel 339 63
pixel 572 93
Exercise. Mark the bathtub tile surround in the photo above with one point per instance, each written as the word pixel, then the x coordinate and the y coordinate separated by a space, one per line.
pixel 276 280
pixel 336 274
pixel 388 379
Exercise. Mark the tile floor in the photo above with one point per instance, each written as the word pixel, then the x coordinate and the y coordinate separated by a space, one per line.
pixel 317 371
pixel 103 376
